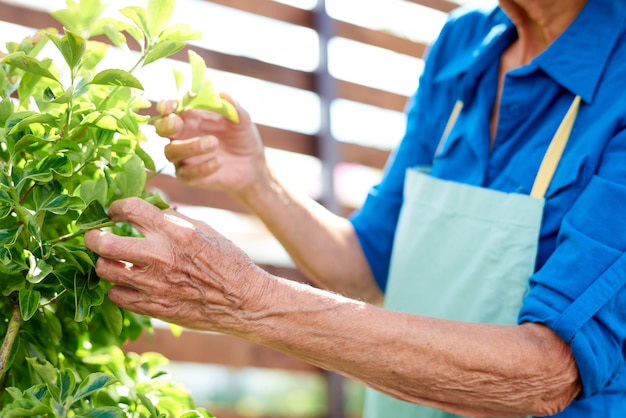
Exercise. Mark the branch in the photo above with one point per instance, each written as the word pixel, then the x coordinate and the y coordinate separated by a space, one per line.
pixel 9 340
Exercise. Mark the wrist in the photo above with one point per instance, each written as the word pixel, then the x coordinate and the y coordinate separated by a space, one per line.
pixel 263 188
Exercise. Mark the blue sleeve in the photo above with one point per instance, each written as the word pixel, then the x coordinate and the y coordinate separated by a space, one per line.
pixel 580 291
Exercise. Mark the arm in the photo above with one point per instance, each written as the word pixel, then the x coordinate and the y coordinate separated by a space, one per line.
pixel 214 153
pixel 184 272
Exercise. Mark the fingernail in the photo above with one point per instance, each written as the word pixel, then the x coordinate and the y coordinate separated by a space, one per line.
pixel 207 143
pixel 169 123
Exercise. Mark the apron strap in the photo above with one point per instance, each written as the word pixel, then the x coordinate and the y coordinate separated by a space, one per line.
pixel 456 111
pixel 555 151
pixel 550 159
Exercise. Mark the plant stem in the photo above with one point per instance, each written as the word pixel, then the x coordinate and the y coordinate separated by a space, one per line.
pixel 27 192
pixel 9 340
pixel 79 233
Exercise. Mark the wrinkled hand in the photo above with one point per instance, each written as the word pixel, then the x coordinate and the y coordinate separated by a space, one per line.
pixel 211 151
pixel 182 271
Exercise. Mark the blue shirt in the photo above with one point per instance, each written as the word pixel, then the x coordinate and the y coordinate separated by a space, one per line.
pixel 578 287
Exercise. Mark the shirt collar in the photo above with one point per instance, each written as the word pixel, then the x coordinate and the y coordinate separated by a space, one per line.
pixel 475 60
pixel 578 62
pixel 575 62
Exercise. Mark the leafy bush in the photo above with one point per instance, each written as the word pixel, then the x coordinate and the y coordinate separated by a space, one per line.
pixel 70 135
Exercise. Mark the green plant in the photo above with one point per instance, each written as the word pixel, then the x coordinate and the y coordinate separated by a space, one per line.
pixel 70 134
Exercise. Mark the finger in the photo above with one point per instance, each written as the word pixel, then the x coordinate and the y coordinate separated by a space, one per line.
pixel 194 173
pixel 169 126
pixel 182 149
pixel 142 215
pixel 116 253
pixel 128 298
pixel 193 123
pixel 165 107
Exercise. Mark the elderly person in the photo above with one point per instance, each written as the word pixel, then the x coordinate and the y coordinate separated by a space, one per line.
pixel 497 233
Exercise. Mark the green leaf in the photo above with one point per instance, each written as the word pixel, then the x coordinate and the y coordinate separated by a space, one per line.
pixel 137 34
pixel 113 317
pixel 11 284
pixel 67 384
pixel 38 270
pixel 179 32
pixel 43 118
pixel 53 326
pixel 158 15
pixel 77 46
pixel 203 95
pixel 176 330
pixel 29 302
pixel 9 234
pixel 74 257
pixel 115 35
pixel 28 64
pixel 65 97
pixel 48 373
pixel 198 71
pixel 6 110
pixel 102 120
pixel 132 181
pixel 90 190
pixel 25 408
pixel 93 216
pixel 154 412
pixel 162 50
pixel 157 200
pixel 92 383
pixel 138 16
pixel 15 393
pixel 114 77
pixel 148 162
pixel 58 164
pixel 85 297
pixel 192 414
pixel 96 51
pixel 72 46
pixel 103 412
pixel 80 16
pixel 179 78
pixel 51 198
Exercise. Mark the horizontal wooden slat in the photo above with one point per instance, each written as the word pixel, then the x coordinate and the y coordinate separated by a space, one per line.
pixel 300 17
pixel 27 16
pixel 359 154
pixel 441 5
pixel 371 96
pixel 251 67
pixel 303 80
pixel 271 10
pixel 211 348
pixel 379 39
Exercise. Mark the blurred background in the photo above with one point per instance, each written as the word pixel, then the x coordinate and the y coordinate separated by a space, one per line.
pixel 327 83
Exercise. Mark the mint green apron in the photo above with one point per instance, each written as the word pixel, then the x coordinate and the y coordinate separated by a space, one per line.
pixel 464 253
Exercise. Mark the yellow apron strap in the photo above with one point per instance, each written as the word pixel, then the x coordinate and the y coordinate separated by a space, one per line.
pixel 458 106
pixel 550 159
pixel 555 150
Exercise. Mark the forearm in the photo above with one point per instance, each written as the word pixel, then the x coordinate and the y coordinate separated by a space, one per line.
pixel 322 244
pixel 469 369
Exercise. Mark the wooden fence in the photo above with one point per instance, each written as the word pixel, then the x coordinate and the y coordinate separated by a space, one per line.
pixel 225 350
